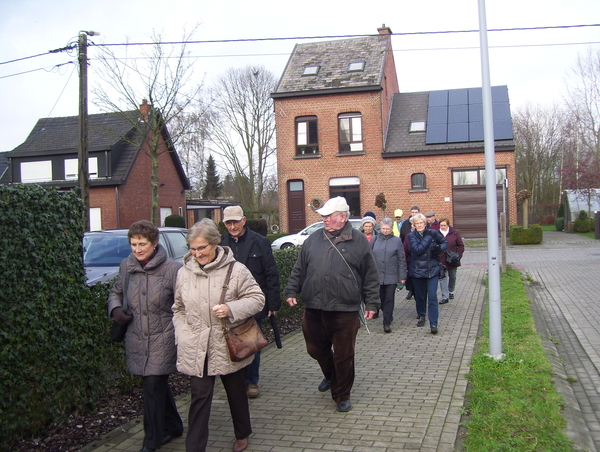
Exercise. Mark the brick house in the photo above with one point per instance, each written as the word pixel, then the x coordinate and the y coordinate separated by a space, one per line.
pixel 343 128
pixel 119 169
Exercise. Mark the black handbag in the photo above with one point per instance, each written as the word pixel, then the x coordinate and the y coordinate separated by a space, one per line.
pixel 452 258
pixel 117 331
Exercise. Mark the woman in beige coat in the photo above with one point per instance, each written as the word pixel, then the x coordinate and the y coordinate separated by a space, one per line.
pixel 201 348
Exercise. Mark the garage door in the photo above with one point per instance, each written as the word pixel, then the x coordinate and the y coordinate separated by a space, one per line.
pixel 470 212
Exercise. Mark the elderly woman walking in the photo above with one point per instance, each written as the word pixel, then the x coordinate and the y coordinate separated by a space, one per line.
pixel 147 281
pixel 391 264
pixel 425 245
pixel 455 243
pixel 201 347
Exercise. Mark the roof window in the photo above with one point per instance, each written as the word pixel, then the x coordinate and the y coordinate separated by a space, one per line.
pixel 311 70
pixel 417 126
pixel 356 66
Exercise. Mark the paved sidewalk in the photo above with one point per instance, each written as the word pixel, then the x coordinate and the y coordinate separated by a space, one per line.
pixel 408 392
pixel 410 384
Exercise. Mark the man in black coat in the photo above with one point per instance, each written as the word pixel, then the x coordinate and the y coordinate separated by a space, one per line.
pixel 254 251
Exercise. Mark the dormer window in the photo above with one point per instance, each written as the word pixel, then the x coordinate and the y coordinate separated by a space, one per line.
pixel 417 126
pixel 356 66
pixel 311 70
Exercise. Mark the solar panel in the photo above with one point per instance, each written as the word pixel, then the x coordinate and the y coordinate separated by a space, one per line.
pixel 460 113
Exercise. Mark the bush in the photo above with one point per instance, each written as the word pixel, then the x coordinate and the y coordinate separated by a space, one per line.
pixel 285 260
pixel 55 352
pixel 175 221
pixel 583 223
pixel 560 224
pixel 561 210
pixel 533 235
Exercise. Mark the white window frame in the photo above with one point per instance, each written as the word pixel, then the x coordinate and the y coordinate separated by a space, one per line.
pixel 40 171
pixel 72 168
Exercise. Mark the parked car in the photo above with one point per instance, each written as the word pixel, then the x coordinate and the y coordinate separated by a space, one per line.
pixel 298 239
pixel 103 251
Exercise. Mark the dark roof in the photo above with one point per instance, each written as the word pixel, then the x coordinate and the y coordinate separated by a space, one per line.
pixel 62 134
pixel 333 59
pixel 413 107
pixel 3 164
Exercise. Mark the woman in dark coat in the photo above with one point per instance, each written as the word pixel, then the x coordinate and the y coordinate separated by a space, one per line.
pixel 391 264
pixel 425 245
pixel 455 243
pixel 147 277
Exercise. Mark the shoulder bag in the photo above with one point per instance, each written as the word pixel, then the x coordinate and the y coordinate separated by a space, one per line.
pixel 243 340
pixel 452 258
pixel 117 331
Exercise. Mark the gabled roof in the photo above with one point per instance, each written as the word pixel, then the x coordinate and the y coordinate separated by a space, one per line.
pixel 333 59
pixel 417 107
pixel 62 134
pixel 106 132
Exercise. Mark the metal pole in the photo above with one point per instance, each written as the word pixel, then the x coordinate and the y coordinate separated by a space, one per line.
pixel 84 182
pixel 495 313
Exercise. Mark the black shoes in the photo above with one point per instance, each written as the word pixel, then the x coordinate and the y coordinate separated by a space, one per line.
pixel 409 295
pixel 147 449
pixel 444 301
pixel 451 296
pixel 167 437
pixel 386 328
pixel 344 406
pixel 325 385
pixel 421 321
pixel 433 329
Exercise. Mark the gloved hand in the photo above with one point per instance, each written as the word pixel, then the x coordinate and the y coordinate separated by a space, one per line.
pixel 120 316
pixel 400 286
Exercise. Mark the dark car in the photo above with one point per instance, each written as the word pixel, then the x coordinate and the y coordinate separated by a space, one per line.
pixel 103 251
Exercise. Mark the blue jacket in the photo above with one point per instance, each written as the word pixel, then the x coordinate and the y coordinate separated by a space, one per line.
pixel 423 253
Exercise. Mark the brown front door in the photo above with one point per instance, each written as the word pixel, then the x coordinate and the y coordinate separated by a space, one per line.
pixel 296 212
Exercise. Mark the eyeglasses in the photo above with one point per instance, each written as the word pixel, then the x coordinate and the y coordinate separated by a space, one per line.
pixel 199 249
pixel 328 217
pixel 232 222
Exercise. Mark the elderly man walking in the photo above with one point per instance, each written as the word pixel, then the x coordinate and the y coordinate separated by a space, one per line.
pixel 335 273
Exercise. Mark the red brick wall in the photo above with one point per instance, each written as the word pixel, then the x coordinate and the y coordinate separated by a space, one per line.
pixel 135 197
pixel 390 176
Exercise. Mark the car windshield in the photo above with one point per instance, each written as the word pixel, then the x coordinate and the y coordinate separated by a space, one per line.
pixel 105 250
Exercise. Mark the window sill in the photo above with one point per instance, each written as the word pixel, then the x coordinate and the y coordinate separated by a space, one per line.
pixel 350 153
pixel 418 190
pixel 307 156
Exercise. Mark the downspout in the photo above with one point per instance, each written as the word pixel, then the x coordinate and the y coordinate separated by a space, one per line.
pixel 118 206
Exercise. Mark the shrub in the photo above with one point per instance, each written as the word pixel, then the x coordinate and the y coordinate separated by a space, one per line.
pixel 533 235
pixel 583 223
pixel 561 210
pixel 55 353
pixel 285 260
pixel 560 224
pixel 175 221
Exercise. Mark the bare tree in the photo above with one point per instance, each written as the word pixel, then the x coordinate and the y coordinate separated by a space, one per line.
pixel 539 141
pixel 163 76
pixel 243 128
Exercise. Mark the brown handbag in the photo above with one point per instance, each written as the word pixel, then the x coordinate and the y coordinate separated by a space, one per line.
pixel 243 340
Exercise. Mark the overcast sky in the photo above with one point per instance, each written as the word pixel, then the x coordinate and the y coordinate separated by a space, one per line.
pixel 534 71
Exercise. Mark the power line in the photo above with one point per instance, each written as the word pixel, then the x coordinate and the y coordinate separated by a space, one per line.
pixel 416 33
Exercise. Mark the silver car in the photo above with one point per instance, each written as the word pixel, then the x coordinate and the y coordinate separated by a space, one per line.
pixel 103 251
pixel 298 239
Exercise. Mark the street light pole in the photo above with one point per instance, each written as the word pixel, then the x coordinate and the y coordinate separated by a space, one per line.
pixel 83 174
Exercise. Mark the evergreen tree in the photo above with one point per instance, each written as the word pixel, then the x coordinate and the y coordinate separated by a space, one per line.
pixel 212 185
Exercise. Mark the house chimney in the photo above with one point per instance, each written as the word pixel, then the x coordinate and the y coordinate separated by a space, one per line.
pixel 144 110
pixel 384 31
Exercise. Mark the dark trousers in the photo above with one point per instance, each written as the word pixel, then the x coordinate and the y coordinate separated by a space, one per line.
pixel 387 292
pixel 252 375
pixel 324 330
pixel 202 389
pixel 426 298
pixel 160 412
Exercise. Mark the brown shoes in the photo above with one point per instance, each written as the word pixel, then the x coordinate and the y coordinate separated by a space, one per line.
pixel 240 445
pixel 253 391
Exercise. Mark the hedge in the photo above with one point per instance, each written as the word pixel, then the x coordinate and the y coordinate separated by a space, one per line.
pixel 55 355
pixel 533 235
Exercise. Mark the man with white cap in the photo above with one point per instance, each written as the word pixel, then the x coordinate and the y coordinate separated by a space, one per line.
pixel 335 272
pixel 254 251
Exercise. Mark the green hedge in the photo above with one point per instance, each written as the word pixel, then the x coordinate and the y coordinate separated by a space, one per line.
pixel 560 224
pixel 285 260
pixel 175 221
pixel 583 223
pixel 55 355
pixel 533 235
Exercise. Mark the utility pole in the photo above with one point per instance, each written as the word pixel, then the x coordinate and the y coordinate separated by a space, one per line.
pixel 83 175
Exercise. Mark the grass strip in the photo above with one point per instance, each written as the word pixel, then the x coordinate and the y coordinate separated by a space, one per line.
pixel 512 404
